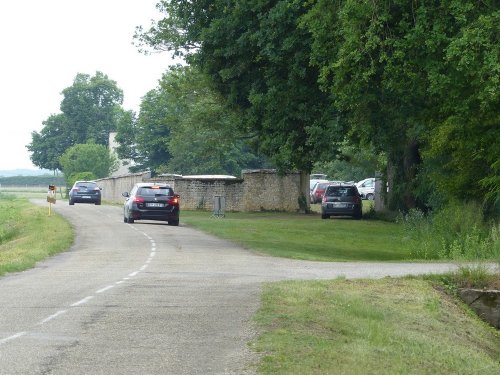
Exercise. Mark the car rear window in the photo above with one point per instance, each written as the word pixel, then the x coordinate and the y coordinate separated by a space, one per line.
pixel 341 191
pixel 155 191
pixel 88 185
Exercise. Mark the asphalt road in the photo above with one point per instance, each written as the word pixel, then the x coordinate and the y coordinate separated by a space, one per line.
pixel 147 298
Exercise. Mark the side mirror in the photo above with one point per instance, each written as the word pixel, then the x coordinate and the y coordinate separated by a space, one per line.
pixel 126 194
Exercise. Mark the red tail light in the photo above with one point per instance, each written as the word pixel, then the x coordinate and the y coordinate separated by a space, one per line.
pixel 324 199
pixel 357 199
pixel 138 200
pixel 174 200
pixel 75 189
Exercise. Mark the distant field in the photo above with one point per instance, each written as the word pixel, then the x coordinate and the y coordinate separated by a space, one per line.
pixel 31 191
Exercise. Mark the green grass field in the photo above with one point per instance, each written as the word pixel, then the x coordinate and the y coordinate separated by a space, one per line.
pixel 307 237
pixel 33 192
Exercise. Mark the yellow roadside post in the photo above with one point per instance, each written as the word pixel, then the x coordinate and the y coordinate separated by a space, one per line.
pixel 51 196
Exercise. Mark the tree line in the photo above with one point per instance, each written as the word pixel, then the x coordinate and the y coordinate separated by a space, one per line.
pixel 417 81
pixel 405 88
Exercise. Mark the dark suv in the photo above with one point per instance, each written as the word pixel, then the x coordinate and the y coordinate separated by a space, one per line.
pixel 341 200
pixel 151 201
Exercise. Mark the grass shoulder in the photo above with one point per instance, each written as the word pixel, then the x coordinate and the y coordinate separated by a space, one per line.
pixel 28 234
pixel 386 326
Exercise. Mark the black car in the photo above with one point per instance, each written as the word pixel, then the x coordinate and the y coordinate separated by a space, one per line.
pixel 85 192
pixel 341 200
pixel 151 201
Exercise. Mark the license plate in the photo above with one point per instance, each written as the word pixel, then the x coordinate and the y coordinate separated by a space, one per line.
pixel 154 205
pixel 86 196
pixel 337 205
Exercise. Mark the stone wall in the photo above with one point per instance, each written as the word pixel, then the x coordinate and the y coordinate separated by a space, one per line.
pixel 113 187
pixel 256 190
pixel 486 304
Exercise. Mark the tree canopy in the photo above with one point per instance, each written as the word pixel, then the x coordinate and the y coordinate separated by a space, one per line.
pixel 184 126
pixel 417 80
pixel 90 109
pixel 88 157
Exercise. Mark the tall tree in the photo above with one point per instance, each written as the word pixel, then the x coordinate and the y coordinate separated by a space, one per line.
pixel 91 108
pixel 91 105
pixel 185 127
pixel 418 80
pixel 47 146
pixel 206 133
pixel 414 76
pixel 258 59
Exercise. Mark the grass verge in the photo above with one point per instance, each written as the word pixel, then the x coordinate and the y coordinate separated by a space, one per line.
pixel 387 326
pixel 306 237
pixel 28 235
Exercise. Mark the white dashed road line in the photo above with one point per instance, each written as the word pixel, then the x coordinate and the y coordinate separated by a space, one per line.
pixel 17 335
pixel 48 319
pixel 100 291
pixel 82 301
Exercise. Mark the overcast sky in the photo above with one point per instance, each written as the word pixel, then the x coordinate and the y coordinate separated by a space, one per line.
pixel 46 43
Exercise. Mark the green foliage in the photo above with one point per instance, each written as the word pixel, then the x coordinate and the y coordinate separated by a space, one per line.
pixel 91 158
pixel 456 232
pixel 413 78
pixel 91 108
pixel 417 80
pixel 258 59
pixel 185 127
pixel 206 134
pixel 352 163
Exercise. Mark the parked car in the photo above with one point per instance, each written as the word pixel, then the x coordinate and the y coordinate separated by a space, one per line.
pixel 318 191
pixel 151 201
pixel 313 182
pixel 341 200
pixel 85 192
pixel 318 176
pixel 366 188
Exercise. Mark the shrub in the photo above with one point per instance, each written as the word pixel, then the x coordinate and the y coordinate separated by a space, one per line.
pixel 456 232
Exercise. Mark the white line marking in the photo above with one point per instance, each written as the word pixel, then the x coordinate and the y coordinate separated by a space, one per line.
pixel 153 254
pixel 133 274
pixel 143 267
pixel 121 281
pixel 105 288
pixel 82 301
pixel 17 335
pixel 48 319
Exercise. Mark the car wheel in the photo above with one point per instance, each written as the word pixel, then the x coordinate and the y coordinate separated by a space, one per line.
pixel 357 216
pixel 98 203
pixel 71 203
pixel 369 196
pixel 125 220
pixel 130 220
pixel 325 216
pixel 175 223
